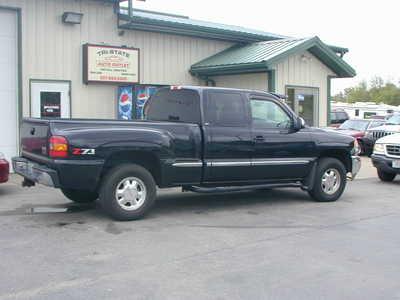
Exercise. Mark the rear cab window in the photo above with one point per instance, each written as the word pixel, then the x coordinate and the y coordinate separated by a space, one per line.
pixel 174 105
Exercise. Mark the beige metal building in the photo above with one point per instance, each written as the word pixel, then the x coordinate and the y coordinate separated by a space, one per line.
pixel 77 58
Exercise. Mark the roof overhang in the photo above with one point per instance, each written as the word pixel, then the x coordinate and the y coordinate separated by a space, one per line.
pixel 230 69
pixel 136 19
pixel 209 32
pixel 314 45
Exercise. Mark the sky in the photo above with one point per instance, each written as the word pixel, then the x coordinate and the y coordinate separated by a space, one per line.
pixel 368 28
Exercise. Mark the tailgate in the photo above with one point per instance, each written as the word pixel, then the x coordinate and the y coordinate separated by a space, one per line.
pixel 34 136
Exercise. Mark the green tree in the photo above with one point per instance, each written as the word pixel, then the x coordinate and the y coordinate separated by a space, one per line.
pixel 378 91
pixel 359 93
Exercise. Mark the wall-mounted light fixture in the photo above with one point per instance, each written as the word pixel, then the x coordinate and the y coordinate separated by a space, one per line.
pixel 304 58
pixel 72 17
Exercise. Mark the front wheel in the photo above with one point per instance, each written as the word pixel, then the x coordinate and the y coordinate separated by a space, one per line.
pixel 79 196
pixel 385 176
pixel 128 192
pixel 330 180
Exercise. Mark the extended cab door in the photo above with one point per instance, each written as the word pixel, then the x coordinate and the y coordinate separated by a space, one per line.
pixel 228 143
pixel 280 152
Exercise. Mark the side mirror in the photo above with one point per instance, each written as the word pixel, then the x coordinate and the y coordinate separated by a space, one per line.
pixel 302 122
pixel 299 123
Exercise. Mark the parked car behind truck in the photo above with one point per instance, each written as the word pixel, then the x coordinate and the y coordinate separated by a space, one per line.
pixel 338 116
pixel 386 157
pixel 357 129
pixel 4 168
pixel 392 126
pixel 202 139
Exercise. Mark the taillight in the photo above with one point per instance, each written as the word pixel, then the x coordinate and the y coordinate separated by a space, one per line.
pixel 58 147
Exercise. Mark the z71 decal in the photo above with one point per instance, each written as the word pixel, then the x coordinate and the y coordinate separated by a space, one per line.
pixel 81 151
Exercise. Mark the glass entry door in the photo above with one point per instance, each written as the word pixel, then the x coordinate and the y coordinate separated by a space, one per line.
pixel 50 99
pixel 304 101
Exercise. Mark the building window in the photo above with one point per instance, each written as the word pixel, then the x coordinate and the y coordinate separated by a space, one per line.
pixel 304 102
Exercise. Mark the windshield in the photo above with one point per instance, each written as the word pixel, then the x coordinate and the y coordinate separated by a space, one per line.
pixel 394 120
pixel 359 125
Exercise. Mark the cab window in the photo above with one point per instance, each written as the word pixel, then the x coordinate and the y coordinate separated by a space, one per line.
pixel 174 105
pixel 268 114
pixel 225 109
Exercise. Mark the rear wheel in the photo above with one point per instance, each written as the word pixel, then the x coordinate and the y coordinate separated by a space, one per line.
pixel 79 196
pixel 330 180
pixel 385 176
pixel 128 192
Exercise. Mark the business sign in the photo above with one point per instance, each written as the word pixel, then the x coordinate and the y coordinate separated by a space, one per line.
pixel 110 64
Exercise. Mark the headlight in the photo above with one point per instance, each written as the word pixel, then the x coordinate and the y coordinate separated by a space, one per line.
pixel 379 148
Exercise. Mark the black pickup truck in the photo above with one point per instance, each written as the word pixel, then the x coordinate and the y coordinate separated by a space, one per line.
pixel 199 138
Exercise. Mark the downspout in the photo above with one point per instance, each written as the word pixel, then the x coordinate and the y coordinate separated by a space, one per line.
pixel 329 99
pixel 117 7
pixel 271 81
pixel 207 81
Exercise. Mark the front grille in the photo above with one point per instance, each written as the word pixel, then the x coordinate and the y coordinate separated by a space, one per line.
pixel 393 150
pixel 380 134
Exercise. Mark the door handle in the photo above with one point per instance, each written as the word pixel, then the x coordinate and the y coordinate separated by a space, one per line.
pixel 259 138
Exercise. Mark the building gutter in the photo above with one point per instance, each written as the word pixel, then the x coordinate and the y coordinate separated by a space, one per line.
pixel 230 69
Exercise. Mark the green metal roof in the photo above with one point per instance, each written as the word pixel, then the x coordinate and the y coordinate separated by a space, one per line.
pixel 155 21
pixel 261 56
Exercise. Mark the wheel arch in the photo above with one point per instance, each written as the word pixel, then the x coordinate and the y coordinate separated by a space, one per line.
pixel 340 154
pixel 148 160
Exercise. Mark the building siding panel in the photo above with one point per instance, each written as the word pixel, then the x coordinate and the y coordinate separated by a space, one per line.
pixel 309 72
pixel 254 81
pixel 53 51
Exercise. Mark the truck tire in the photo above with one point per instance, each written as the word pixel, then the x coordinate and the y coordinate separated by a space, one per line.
pixel 79 196
pixel 127 192
pixel 330 180
pixel 385 176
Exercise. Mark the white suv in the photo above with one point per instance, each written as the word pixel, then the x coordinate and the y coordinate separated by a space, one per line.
pixel 386 157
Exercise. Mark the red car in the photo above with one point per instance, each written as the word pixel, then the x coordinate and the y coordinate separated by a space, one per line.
pixel 357 129
pixel 4 169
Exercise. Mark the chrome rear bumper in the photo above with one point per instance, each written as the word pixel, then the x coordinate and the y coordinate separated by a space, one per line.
pixel 35 172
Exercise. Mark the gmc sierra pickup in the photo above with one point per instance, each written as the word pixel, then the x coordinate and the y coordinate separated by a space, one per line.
pixel 199 138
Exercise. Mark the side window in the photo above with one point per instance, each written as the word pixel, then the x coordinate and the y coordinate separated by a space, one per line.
pixel 225 109
pixel 268 114
pixel 174 105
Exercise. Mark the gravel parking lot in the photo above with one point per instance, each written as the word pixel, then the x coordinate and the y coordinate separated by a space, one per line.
pixel 273 244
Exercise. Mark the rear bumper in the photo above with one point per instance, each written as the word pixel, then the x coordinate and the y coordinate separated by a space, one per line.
pixel 35 172
pixel 384 163
pixel 68 174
